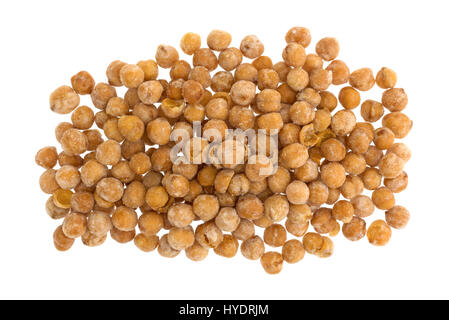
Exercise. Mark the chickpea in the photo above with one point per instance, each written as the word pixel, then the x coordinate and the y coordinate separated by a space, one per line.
pixel 294 55
pixel 401 150
pixel 333 196
pixel 149 68
pixel 275 235
pixel 373 156
pixel 156 197
pixel 343 211
pixel 64 100
pixel 297 79
pixel 150 223
pixel 150 92
pixel 299 213
pixel 131 127
pixel 164 248
pixel 318 192
pixel 245 230
pixel 67 177
pixel 206 58
pixel 206 206
pixel 101 94
pixel 166 56
pixel 379 233
pixel 293 156
pixel 218 40
pixel 355 229
pixel 333 150
pixel 61 241
pixel 362 79
pixel 253 248
pixel 296 229
pixel 333 174
pixel 363 206
pixel 399 123
pixel 74 225
pixel 196 252
pixel 276 207
pixel 82 82
pixel 74 142
pixel 328 48
pixel 299 35
pixel 251 47
pixel 263 62
pixel 228 248
pixel 293 251
pixel 390 166
pixel 358 140
pixel 176 185
pixel 340 72
pixel 54 211
pixel 328 101
pixel 47 157
pixel 190 42
pixel 297 192
pixel 158 131
pixel 272 262
pixel 386 78
pixel 371 178
pixel 397 184
pixel 349 98
pixel 383 198
pixel 181 238
pixel 343 122
pixel 134 195
pixel 323 221
pixel 354 163
pixel 352 187
pixel 146 243
pixel 108 153
pixel 383 138
pixel 208 235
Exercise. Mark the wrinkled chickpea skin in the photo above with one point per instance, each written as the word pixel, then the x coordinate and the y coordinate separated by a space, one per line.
pixel 167 160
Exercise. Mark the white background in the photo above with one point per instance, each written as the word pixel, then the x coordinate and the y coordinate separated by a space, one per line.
pixel 43 43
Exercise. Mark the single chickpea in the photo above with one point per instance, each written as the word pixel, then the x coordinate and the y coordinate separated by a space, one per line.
pixel 190 42
pixel 270 122
pixel 243 92
pixel 180 70
pixel 279 181
pixel 74 142
pixel 297 79
pixel 362 79
pixel 276 207
pixel 320 79
pixel 150 223
pixel 71 160
pixel 313 62
pixel 99 223
pixel 113 72
pixel 328 101
pixel 379 233
pixel 54 211
pixel 130 148
pixel 61 241
pixel 74 225
pixel 208 235
pixel 343 122
pixel 334 195
pixel 322 120
pixel 218 40
pixel 146 243
pixel 140 163
pixel 152 179
pixel 245 230
pixel 134 195
pixel 391 166
pixel 166 56
pixel 272 262
pixel 258 167
pixel 192 91
pixel 131 76
pixel 326 249
pixel 205 57
pixel 352 187
pixel 383 198
pixel 100 118
pixel 263 62
pixel 363 206
pixel 241 118
pixel 61 198
pixel 299 35
pixel 131 127
pixel 328 48
pixel 397 217
pixel 401 150
pixel 355 229
pixel 287 94
pixel 164 248
pixel 230 58
pixel 110 189
pixel 333 150
pixel 312 242
pixel 238 185
pixel 101 94
pixel 293 156
pixel 294 55
pixel 47 157
pixel 156 197
pixel 397 184
pixel 293 251
pixel 227 219
pixel 318 192
pixel 108 153
pixel 349 98
pixel 275 235
pixel 64 100
pixel 181 238
pixel 299 213
pixel 150 92
pixel 296 229
pixel 358 141
pixel 158 131
pixel 253 248
pixel 308 172
pixel 399 123
pixel 94 139
pixel 61 128
pixel 323 221
pixel 115 107
pixel 251 47
pixel 371 178
pixel 250 207
pixel 196 252
pixel 333 174
pixel 383 138
pixel 92 172
pixel 131 97
pixel 111 130
pixel 176 185
pixel 371 110
pixel 67 177
pixel 222 81
pixel 343 211
pixel 149 68
pixel 373 156
pixel 245 71
pixel 302 113
pixel 82 82
pixel 206 206
pixel 228 248
pixel 267 79
pixel 289 134
pixel 340 72
pixel 354 163
pixel 297 192
pixel 386 78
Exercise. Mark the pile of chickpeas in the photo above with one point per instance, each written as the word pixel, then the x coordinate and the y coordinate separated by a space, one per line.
pixel 123 182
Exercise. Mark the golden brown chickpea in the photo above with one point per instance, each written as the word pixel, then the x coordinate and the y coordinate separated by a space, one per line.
pixel 111 130
pixel 245 230
pixel 386 78
pixel 383 198
pixel 328 101
pixel 267 79
pixel 54 211
pixel 99 223
pixel 149 68
pixel 74 225
pixel 243 92
pixel 227 219
pixel 363 206
pixel 333 174
pixel 379 233
pixel 401 150
pixel 64 100
pixel 166 56
pixel 308 172
pixel 222 81
pixel 140 163
pixel 206 206
pixel 355 229
pixel 134 195
pixel 92 172
pixel 352 187
pixel 101 94
pixel 343 211
pixel 373 156
pixel 250 207
pixel 399 123
pixel 196 252
pixel 131 76
pixel 208 235
pixel 158 131
pixel 150 92
pixel 333 150
pixel 228 248
pixel 218 40
pixel 94 139
pixel 110 189
pixel 293 156
pixel 343 122
pixel 146 243
pixel 271 122
pixel 263 62
pixel 297 79
pixel 383 138
pixel 74 142
pixel 276 207
pixel 272 262
pixel 322 220
pixel 164 248
pixel 192 91
pixel 150 223
pixel 340 72
pixel 371 110
pixel 82 82
pixel 390 166
pixel 296 229
pixel 362 79
pixel 313 62
pixel 328 48
pixel 131 127
pixel 354 163
pixel 251 47
pixel 108 153
pixel 299 35
pixel 253 248
pixel 61 241
pixel 397 217
pixel 297 192
pixel 313 242
pixel 322 120
pixel 320 79
pixel 205 57
pixel 230 58
pixel 181 238
pixel 180 70
pixel 294 55
pixel 131 97
pixel 190 42
pixel 293 251
pixel 358 141
pixel 67 177
pixel 349 98
pixel 334 195
pixel 115 107
pixel 275 235
pixel 288 95
pixel 302 113
pixel 113 72
pixel 299 213
pixel 318 192
pixel 371 178
pixel 156 197
pixel 397 184
pixel 47 157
